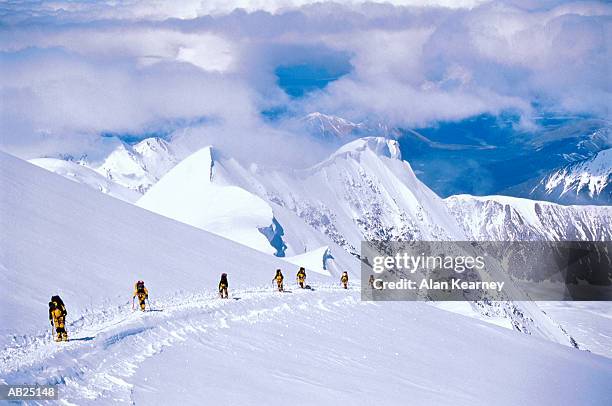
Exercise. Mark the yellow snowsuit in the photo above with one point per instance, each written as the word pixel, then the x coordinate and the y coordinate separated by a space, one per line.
pixel 301 277
pixel 279 281
pixel 59 324
pixel 142 296
pixel 344 280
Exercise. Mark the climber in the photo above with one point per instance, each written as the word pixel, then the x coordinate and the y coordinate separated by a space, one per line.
pixel 279 280
pixel 57 317
pixel 344 279
pixel 142 293
pixel 223 285
pixel 301 277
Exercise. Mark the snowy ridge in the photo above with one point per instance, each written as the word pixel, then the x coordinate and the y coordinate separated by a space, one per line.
pixel 330 127
pixel 380 146
pixel 206 191
pixel 188 194
pixel 589 180
pixel 122 166
pixel 82 174
pixel 138 167
pixel 156 156
pixel 363 191
pixel 503 218
pixel 333 128
pixel 125 173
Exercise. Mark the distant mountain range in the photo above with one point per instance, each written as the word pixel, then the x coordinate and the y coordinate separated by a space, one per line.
pixel 566 165
pixel 362 191
pixel 586 181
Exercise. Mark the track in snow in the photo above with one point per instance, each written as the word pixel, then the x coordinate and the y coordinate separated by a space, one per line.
pixel 323 347
pixel 125 338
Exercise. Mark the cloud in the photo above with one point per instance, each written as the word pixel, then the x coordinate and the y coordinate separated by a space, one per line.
pixel 74 70
pixel 53 92
pixel 492 58
pixel 186 9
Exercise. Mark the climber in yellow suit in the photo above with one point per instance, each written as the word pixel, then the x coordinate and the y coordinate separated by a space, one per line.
pixel 57 316
pixel 223 286
pixel 301 277
pixel 279 280
pixel 142 293
pixel 344 279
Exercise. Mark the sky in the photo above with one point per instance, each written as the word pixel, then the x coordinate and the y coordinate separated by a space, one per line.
pixel 204 71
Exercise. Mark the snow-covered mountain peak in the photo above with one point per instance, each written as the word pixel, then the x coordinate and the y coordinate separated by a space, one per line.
pixel 590 176
pixel 198 165
pixel 379 145
pixel 330 126
pixel 124 167
pixel 188 193
pixel 335 128
pixel 583 181
pixel 87 176
pixel 156 156
pixel 153 144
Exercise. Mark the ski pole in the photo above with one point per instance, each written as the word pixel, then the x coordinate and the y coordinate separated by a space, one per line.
pixel 149 303
pixel 132 302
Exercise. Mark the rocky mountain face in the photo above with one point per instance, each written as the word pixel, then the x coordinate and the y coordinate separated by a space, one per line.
pixel 587 181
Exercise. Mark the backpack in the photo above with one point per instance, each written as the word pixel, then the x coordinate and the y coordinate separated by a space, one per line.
pixel 59 303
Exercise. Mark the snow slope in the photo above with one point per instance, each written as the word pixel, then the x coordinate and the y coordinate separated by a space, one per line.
pixel 62 237
pixel 82 174
pixel 336 350
pixel 324 347
pixel 316 260
pixel 590 323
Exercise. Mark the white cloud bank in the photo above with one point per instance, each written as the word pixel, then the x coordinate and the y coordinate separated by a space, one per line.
pixel 73 70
